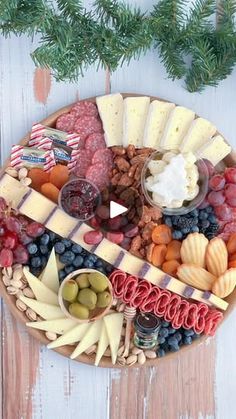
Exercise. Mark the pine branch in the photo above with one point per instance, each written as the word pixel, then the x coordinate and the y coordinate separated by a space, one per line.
pixel 197 19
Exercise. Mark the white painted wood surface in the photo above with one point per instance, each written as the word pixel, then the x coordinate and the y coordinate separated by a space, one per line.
pixel 65 389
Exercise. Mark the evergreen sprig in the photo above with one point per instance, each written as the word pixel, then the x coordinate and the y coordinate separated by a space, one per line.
pixel 196 43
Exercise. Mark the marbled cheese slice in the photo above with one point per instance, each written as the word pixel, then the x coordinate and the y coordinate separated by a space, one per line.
pixel 135 115
pixel 50 274
pixel 114 323
pixel 198 134
pixel 41 292
pixel 59 326
pixel 102 345
pixel 46 311
pixel 156 121
pixel 214 150
pixel 110 108
pixel 91 337
pixel 72 336
pixel 176 128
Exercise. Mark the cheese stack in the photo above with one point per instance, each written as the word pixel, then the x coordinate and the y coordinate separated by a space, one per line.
pixel 134 120
pixel 176 128
pixel 156 121
pixel 198 134
pixel 110 108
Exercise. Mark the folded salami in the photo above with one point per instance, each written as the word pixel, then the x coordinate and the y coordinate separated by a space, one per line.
pixel 162 303
pixel 200 323
pixel 118 279
pixel 130 287
pixel 142 291
pixel 180 315
pixel 191 316
pixel 148 304
pixel 172 307
pixel 213 318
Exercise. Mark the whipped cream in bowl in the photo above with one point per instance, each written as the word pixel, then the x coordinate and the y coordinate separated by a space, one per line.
pixel 175 182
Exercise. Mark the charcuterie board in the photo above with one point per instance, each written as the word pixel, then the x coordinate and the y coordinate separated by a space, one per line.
pixel 131 262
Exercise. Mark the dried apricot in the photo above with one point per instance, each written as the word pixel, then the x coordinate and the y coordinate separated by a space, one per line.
pixel 38 177
pixel 59 175
pixel 173 250
pixel 149 250
pixel 232 257
pixel 170 267
pixel 50 191
pixel 232 264
pixel 159 254
pixel 231 245
pixel 161 234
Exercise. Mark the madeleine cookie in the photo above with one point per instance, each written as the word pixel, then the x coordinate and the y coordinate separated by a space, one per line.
pixel 193 249
pixel 225 284
pixel 217 257
pixel 196 276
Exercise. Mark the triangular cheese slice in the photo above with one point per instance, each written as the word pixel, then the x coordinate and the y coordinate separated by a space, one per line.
pixel 59 326
pixel 90 338
pixel 135 115
pixel 156 121
pixel 102 345
pixel 41 292
pixel 114 323
pixel 176 128
pixel 46 311
pixel 110 108
pixel 72 336
pixel 200 131
pixel 214 150
pixel 50 274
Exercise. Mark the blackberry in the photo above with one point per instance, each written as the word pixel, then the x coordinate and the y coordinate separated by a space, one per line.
pixel 185 223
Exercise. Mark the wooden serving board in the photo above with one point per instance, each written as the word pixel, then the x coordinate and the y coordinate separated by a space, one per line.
pixel 66 350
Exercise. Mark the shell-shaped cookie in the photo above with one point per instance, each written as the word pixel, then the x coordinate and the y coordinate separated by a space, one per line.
pixel 193 249
pixel 217 256
pixel 225 284
pixel 196 276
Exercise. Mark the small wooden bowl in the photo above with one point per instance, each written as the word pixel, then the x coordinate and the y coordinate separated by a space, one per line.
pixel 95 314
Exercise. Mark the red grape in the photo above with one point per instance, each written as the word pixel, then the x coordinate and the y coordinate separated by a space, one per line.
pixel 24 238
pixel 114 223
pixel 217 182
pixel 94 222
pixel 93 237
pixel 10 240
pixel 115 237
pixel 230 174
pixel 21 254
pixel 13 224
pixel 230 194
pixel 223 212
pixel 35 229
pixel 216 198
pixel 3 204
pixel 203 204
pixel 6 258
pixel 103 212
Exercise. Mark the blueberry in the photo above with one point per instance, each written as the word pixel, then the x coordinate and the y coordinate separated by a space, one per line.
pixel 205 224
pixel 67 243
pixel 160 352
pixel 177 235
pixel 209 209
pixel 168 221
pixel 44 239
pixel 78 261
pixel 36 262
pixel 165 346
pixel 174 348
pixel 178 336
pixel 161 339
pixel 172 341
pixel 165 324
pixel 60 248
pixel 68 269
pixel 195 221
pixel 188 332
pixel 164 332
pixel 88 263
pixel 99 263
pixel 109 269
pixel 195 229
pixel 186 230
pixel 52 236
pixel 43 249
pixel 194 213
pixel 93 258
pixel 171 330
pixel 203 215
pixel 35 272
pixel 32 248
pixel 187 340
pixel 175 219
pixel 212 219
pixel 76 248
pixel 62 275
pixel 67 257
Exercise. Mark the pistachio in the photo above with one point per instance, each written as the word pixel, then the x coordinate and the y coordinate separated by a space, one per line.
pixel 121 350
pixel 6 280
pixel 91 350
pixel 136 351
pixel 12 290
pixel 11 171
pixel 23 172
pixel 131 346
pixel 131 360
pixel 32 316
pixel 26 181
pixel 18 273
pixel 16 283
pixel 28 292
pixel 141 358
pixel 121 360
pixel 51 335
pixel 7 271
pixel 17 266
pixel 150 354
pixel 20 305
pixel 19 294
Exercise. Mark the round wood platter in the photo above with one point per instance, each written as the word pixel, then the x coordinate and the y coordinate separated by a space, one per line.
pixel 67 350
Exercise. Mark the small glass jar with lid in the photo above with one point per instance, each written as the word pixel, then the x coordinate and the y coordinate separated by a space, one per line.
pixel 146 327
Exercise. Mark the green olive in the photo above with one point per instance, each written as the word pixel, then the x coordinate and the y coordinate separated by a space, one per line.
pixel 104 299
pixel 70 291
pixel 88 298
pixel 79 311
pixel 98 282
pixel 82 281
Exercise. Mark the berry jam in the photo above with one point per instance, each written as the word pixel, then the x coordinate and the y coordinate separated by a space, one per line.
pixel 80 198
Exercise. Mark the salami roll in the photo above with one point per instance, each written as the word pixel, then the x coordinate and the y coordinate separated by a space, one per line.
pixel 130 286
pixel 213 318
pixel 191 317
pixel 200 323
pixel 162 303
pixel 66 122
pixel 84 108
pixel 172 307
pixel 95 142
pixel 181 314
pixel 118 279
pixel 142 291
pixel 86 125
pixel 83 163
pixel 149 302
pixel 98 174
pixel 103 157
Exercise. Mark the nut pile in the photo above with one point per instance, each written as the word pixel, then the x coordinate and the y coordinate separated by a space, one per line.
pixel 21 175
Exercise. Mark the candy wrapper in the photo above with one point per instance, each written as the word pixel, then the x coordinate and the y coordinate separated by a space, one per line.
pixel 31 157
pixel 59 138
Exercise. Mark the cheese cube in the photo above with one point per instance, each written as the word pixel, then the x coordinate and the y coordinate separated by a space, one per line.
pixel 198 134
pixel 92 335
pixel 12 190
pixel 46 311
pixel 135 115
pixel 156 121
pixel 61 223
pixel 72 336
pixel 37 207
pixel 114 323
pixel 41 292
pixel 110 108
pixel 176 128
pixel 214 150
pixel 59 326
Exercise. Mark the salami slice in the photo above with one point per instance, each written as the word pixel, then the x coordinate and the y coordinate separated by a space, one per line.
pixel 98 175
pixel 103 157
pixel 129 289
pixel 181 314
pixel 191 317
pixel 86 125
pixel 95 142
pixel 200 323
pixel 66 122
pixel 83 163
pixel 172 308
pixel 149 302
pixel 213 318
pixel 84 108
pixel 118 280
pixel 142 291
pixel 162 303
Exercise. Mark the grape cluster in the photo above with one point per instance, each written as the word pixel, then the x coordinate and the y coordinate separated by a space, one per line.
pixel 222 195
pixel 170 339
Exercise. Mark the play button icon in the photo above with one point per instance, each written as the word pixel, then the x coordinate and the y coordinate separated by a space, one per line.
pixel 116 209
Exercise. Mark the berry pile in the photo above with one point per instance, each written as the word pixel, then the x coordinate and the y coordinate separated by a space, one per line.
pixel 170 339
pixel 199 220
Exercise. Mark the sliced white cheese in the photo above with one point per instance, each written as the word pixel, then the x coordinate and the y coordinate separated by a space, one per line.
pixel 110 108
pixel 46 311
pixel 214 150
pixel 50 274
pixel 12 190
pixel 114 323
pixel 134 119
pixel 156 121
pixel 59 326
pixel 176 128
pixel 102 345
pixel 72 336
pixel 91 337
pixel 198 134
pixel 41 292
pixel 37 206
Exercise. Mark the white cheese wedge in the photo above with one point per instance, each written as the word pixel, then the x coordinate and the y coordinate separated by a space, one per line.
pixel 61 223
pixel 37 206
pixel 91 337
pixel 102 345
pixel 12 190
pixel 50 273
pixel 59 326
pixel 73 335
pixel 198 134
pixel 135 115
pixel 176 128
pixel 156 121
pixel 41 292
pixel 114 323
pixel 214 150
pixel 46 311
pixel 110 108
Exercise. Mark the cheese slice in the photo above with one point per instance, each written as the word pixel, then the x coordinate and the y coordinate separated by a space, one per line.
pixel 110 108
pixel 135 115
pixel 71 336
pixel 12 190
pixel 37 206
pixel 198 134
pixel 91 337
pixel 50 274
pixel 41 292
pixel 114 323
pixel 176 128
pixel 61 223
pixel 102 345
pixel 59 326
pixel 156 121
pixel 46 311
pixel 214 150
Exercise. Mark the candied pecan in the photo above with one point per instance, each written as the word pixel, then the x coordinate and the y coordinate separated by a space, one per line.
pixel 114 172
pixel 145 150
pixel 136 243
pixel 142 252
pixel 155 213
pixel 146 217
pixel 138 159
pixel 138 171
pixel 118 150
pixel 132 170
pixel 105 195
pixel 130 151
pixel 136 253
pixel 149 250
pixel 115 179
pixel 147 230
pixel 125 180
pixel 122 164
pixel 127 194
pixel 131 213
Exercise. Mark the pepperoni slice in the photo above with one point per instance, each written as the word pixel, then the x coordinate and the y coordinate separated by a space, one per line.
pixel 84 108
pixel 83 163
pixel 66 122
pixel 103 157
pixel 95 142
pixel 86 125
pixel 98 174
